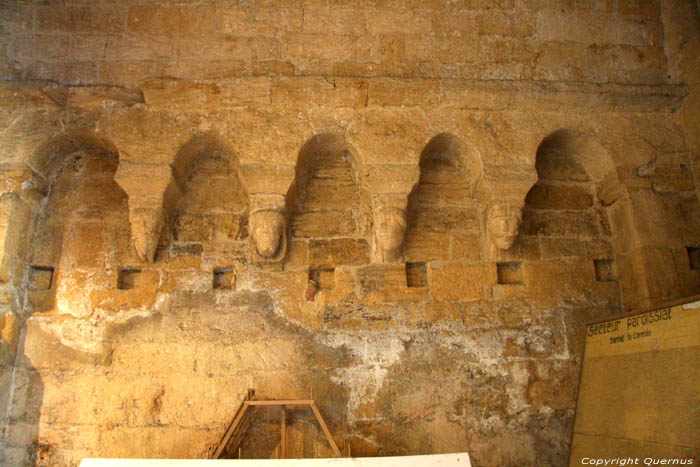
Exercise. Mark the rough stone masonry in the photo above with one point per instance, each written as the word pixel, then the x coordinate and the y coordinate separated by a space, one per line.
pixel 407 210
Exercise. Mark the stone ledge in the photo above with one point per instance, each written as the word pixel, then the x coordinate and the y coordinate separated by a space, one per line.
pixel 382 91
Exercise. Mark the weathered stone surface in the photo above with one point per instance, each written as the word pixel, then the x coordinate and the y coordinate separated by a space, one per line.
pixel 333 253
pixel 571 198
pixel 459 282
pixel 443 219
pixel 424 246
pixel 350 105
pixel 323 224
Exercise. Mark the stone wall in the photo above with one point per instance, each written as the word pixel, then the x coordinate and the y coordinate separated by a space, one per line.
pixel 214 207
pixel 76 41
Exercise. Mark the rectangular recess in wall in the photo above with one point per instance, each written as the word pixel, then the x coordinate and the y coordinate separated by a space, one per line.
pixel 693 257
pixel 40 277
pixel 604 270
pixel 509 273
pixel 324 278
pixel 416 275
pixel 127 278
pixel 224 278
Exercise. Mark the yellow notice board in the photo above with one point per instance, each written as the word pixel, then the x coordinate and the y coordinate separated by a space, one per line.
pixel 639 395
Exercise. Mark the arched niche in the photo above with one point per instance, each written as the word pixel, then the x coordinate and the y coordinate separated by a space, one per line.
pixel 442 208
pixel 326 198
pixel 208 202
pixel 578 209
pixel 81 235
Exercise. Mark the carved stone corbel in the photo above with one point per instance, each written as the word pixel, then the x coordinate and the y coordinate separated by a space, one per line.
pixel 145 185
pixel 267 225
pixel 388 229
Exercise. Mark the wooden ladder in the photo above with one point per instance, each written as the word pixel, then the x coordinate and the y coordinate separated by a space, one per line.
pixel 236 430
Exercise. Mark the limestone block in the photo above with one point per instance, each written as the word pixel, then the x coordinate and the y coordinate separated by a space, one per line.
pixel 15 223
pixel 143 180
pixel 660 273
pixel 83 246
pixel 146 136
pixel 287 288
pixel 185 256
pixel 206 94
pixel 459 282
pixel 386 283
pixel 298 254
pixel 302 47
pixel 397 92
pixel 171 20
pixel 553 248
pixel 525 248
pixel 443 219
pixel 571 224
pixel 323 224
pixel 235 47
pixel 267 178
pixel 141 295
pixel 260 20
pixel 337 252
pixel 104 19
pixel 424 246
pixel 334 20
pixel 207 228
pixel 320 91
pixel 546 196
pixel 227 253
pixel 388 135
pixel 555 282
pixel 433 191
pixel 9 331
pixel 675 227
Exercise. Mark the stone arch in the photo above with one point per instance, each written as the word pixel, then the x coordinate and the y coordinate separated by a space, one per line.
pixel 443 207
pixel 81 234
pixel 578 209
pixel 207 200
pixel 327 175
pixel 46 157
pixel 328 205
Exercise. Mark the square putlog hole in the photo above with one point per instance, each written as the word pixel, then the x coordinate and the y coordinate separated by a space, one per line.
pixel 40 277
pixel 416 275
pixel 127 278
pixel 509 273
pixel 224 278
pixel 694 257
pixel 604 270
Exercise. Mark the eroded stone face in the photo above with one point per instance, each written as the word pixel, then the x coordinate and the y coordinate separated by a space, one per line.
pixel 146 225
pixel 268 238
pixel 503 224
pixel 389 233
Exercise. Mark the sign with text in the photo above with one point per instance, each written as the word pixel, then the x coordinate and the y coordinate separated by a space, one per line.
pixel 639 394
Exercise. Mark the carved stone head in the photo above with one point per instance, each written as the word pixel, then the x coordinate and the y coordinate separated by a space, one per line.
pixel 267 229
pixel 389 233
pixel 503 223
pixel 146 226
